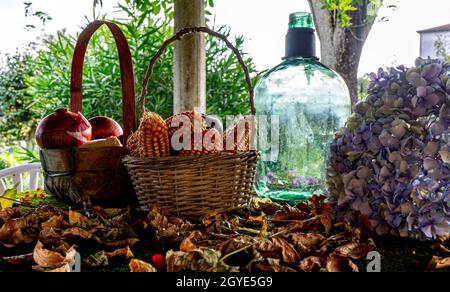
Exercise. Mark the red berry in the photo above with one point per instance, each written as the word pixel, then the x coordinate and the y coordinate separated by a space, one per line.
pixel 159 261
pixel 42 195
pixel 34 195
pixel 39 189
pixel 27 195
pixel 26 201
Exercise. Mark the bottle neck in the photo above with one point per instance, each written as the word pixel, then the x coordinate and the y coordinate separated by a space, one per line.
pixel 300 42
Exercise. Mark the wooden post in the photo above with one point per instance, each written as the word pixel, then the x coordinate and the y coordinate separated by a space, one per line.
pixel 190 58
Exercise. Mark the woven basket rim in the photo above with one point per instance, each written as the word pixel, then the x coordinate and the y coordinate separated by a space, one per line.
pixel 220 155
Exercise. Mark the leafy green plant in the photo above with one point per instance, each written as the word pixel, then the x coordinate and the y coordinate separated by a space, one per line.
pixel 35 83
pixel 147 26
pixel 342 10
pixel 443 47
pixel 17 106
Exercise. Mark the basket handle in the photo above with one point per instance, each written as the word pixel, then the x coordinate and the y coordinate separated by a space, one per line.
pixel 126 72
pixel 178 36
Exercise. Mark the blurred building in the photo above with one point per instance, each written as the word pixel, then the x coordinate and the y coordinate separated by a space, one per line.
pixel 429 37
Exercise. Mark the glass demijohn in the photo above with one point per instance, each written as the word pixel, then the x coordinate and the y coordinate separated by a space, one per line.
pixel 301 104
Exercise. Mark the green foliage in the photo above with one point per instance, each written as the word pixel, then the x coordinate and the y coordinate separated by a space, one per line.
pixel 342 10
pixel 18 108
pixel 18 155
pixel 35 84
pixel 7 198
pixel 42 16
pixel 363 85
pixel 443 48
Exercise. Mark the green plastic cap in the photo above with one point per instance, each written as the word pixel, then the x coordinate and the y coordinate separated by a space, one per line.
pixel 300 20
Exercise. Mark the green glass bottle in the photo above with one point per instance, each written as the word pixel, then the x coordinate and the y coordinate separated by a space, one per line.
pixel 301 104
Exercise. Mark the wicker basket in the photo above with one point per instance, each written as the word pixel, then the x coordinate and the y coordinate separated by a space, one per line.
pixel 94 176
pixel 197 185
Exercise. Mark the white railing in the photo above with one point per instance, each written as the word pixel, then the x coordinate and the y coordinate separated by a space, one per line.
pixel 26 177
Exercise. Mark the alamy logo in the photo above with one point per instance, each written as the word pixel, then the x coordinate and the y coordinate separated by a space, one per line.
pixel 374 265
pixel 75 266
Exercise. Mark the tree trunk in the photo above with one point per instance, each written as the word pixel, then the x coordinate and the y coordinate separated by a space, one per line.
pixel 341 47
pixel 189 58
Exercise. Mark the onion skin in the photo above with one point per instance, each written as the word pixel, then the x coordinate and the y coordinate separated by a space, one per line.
pixel 104 127
pixel 63 129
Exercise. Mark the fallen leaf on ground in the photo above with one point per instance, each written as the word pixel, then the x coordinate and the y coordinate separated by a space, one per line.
pixel 123 253
pixel 439 247
pixel 56 221
pixel 208 218
pixel 201 260
pixel 119 243
pixel 438 263
pixel 234 244
pixel 138 266
pixel 355 250
pixel 76 232
pixel 19 259
pixel 96 260
pixel 325 217
pixel 65 268
pixel 76 218
pixel 11 233
pixel 288 252
pixel 273 265
pixel 50 259
pixel 307 240
pixel 187 245
pixel 339 264
pixel 311 264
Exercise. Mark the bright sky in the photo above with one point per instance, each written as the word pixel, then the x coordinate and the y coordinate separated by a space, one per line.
pixel 262 22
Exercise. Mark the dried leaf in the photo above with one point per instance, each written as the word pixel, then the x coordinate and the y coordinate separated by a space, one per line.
pixel 308 240
pixel 273 266
pixel 138 266
pixel 56 221
pixel 325 217
pixel 96 260
pixel 76 232
pixel 438 263
pixel 355 250
pixel 65 268
pixel 76 218
pixel 208 218
pixel 439 247
pixel 125 242
pixel 233 244
pixel 123 253
pixel 50 236
pixel 288 252
pixel 19 260
pixel 337 263
pixel 49 259
pixel 201 260
pixel 257 219
pixel 11 233
pixel 311 264
pixel 266 205
pixel 187 245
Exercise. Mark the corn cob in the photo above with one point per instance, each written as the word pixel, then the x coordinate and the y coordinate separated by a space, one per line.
pixel 195 119
pixel 240 135
pixel 153 137
pixel 133 144
pixel 210 144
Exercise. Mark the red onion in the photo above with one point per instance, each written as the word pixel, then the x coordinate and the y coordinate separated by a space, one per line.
pixel 104 127
pixel 63 129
